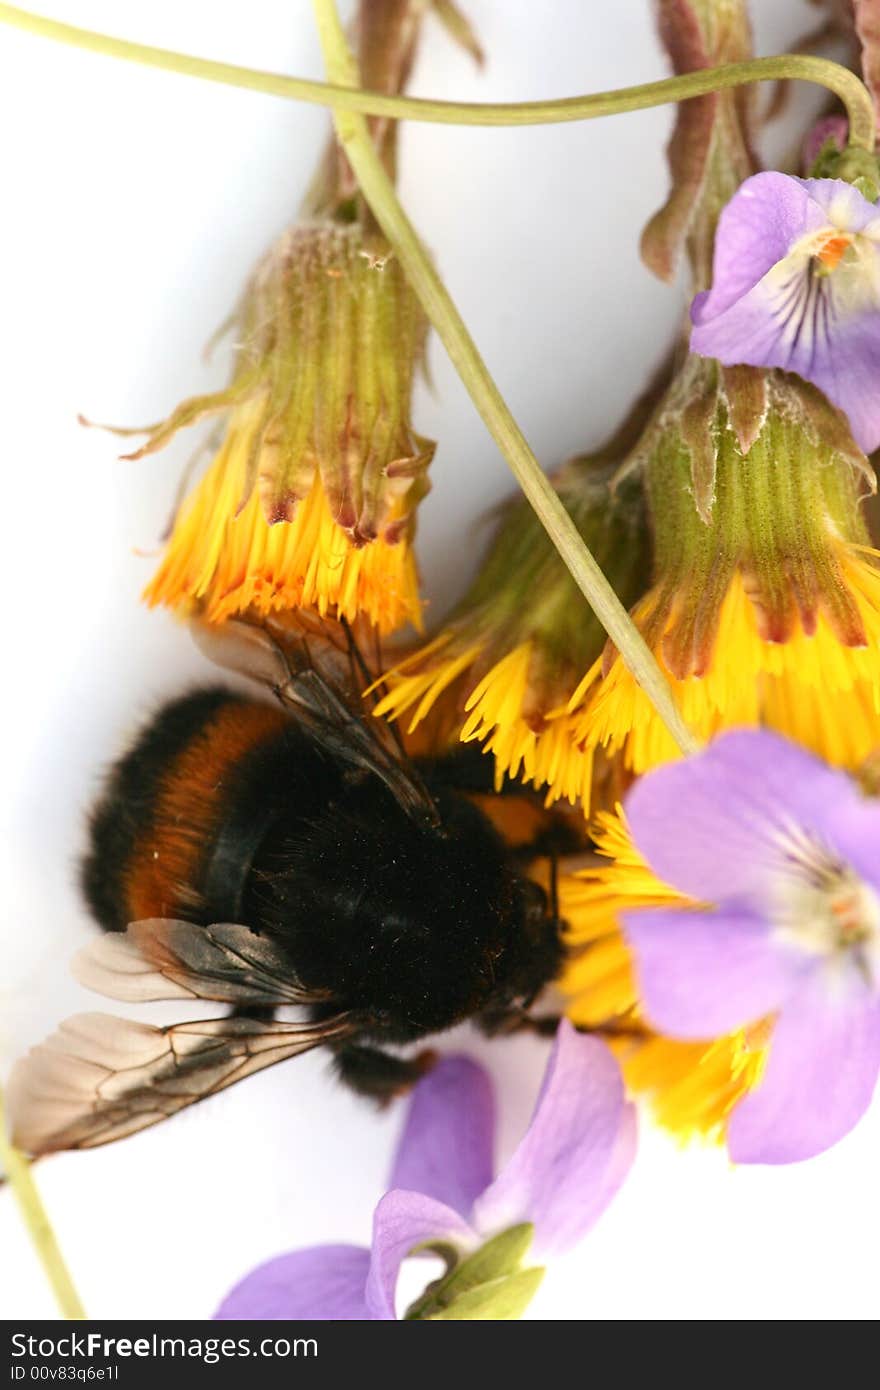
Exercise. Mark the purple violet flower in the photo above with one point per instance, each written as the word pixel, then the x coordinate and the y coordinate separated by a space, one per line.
pixel 796 284
pixel 788 852
pixel 574 1156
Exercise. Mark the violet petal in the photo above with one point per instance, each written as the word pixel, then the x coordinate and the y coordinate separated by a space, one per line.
pixel 575 1153
pixel 825 329
pixel 844 206
pixel 702 974
pixel 402 1221
pixel 852 834
pixel 447 1144
pixel 766 216
pixel 846 366
pixel 324 1281
pixel 820 1075
pixel 720 824
pixel 767 307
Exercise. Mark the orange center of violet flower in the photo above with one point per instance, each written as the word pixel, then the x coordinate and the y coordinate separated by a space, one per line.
pixel 832 248
pixel 848 913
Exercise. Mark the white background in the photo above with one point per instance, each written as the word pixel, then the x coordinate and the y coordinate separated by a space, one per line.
pixel 134 205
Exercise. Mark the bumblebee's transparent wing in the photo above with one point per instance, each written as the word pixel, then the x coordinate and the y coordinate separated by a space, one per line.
pixel 315 670
pixel 164 959
pixel 100 1078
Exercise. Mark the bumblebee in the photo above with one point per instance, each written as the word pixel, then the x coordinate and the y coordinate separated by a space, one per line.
pixel 289 853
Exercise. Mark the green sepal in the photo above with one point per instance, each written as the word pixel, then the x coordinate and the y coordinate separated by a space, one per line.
pixel 502 1300
pixel 330 335
pixel 492 1264
pixel 501 1255
pixel 781 511
pixel 523 593
pixel 859 167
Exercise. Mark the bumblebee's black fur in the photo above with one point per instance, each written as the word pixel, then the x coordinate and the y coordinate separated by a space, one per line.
pixel 410 926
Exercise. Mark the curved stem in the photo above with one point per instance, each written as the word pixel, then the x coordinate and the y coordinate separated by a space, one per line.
pixel 837 79
pixel 36 1219
pixel 379 193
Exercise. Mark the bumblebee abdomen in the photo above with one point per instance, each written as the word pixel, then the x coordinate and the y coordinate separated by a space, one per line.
pixel 155 828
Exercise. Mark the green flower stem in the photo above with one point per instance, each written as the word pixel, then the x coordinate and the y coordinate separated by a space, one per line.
pixel 36 1219
pixel 382 199
pixel 833 76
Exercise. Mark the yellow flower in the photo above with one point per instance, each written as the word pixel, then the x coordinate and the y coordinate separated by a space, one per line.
pixel 227 561
pixel 816 688
pixel 691 1086
pixel 518 643
pixel 765 606
pixel 311 498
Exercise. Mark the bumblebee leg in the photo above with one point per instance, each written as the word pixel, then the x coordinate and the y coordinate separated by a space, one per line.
pixel 545 1027
pixel 378 1075
pixel 502 1022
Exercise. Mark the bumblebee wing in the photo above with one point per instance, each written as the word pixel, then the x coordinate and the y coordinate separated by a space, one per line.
pixel 315 670
pixel 276 650
pixel 165 959
pixel 100 1078
pixel 246 647
pixel 352 739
